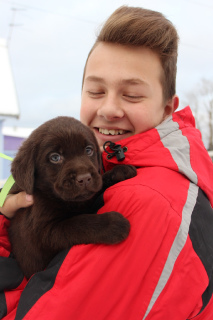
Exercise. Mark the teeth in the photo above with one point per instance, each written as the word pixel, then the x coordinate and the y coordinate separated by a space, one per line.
pixel 121 131
pixel 111 131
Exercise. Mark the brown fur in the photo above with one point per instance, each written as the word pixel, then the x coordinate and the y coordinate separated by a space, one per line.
pixel 64 190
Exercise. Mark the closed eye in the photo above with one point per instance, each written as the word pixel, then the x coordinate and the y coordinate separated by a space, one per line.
pixel 96 94
pixel 132 97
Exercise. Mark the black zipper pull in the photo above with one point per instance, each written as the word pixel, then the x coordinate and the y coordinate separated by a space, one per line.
pixel 117 149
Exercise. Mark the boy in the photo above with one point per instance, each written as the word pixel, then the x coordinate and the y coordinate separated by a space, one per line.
pixel 163 270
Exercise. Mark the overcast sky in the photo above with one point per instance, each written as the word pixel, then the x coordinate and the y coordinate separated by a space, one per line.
pixel 50 40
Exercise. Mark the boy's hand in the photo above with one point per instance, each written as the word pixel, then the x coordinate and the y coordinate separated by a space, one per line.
pixel 14 202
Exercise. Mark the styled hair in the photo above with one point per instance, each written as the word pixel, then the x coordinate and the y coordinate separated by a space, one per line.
pixel 134 26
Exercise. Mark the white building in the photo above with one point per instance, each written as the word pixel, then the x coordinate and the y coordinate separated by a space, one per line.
pixel 8 97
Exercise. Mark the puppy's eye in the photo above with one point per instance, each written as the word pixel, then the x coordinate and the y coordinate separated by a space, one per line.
pixel 55 158
pixel 89 150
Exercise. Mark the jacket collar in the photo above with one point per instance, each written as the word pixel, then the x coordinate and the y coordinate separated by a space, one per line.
pixel 175 144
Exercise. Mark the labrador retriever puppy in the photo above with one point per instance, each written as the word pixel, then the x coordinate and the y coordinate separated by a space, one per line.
pixel 60 164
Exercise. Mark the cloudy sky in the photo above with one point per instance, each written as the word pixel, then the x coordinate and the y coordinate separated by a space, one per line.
pixel 50 40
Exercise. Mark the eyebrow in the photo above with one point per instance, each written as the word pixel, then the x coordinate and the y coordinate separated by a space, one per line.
pixel 130 81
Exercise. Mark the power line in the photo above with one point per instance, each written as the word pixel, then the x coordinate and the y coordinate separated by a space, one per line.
pixel 48 11
pixel 201 4
pixel 194 46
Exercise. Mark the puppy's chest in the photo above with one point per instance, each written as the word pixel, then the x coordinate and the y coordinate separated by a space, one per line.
pixel 46 209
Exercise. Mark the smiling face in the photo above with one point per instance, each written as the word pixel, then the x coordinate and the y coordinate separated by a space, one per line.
pixel 122 94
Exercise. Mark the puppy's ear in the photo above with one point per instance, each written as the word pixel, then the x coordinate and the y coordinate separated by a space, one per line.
pixel 99 156
pixel 23 166
pixel 90 133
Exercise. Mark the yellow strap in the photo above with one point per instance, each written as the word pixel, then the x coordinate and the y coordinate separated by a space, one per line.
pixel 5 157
pixel 8 184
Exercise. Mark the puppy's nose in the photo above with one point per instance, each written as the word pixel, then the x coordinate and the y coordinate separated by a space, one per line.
pixel 83 179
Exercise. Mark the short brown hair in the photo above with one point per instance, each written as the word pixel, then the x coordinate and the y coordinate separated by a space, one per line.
pixel 142 27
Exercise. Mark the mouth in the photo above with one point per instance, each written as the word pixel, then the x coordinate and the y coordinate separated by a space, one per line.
pixel 81 196
pixel 112 132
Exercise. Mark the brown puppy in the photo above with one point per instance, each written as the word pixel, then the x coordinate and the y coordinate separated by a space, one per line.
pixel 60 165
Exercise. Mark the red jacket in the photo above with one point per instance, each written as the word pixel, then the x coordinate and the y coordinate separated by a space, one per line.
pixel 163 270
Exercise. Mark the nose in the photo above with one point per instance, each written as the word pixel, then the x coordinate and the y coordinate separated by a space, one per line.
pixel 83 180
pixel 110 108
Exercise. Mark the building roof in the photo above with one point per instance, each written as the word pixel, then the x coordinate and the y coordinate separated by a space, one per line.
pixel 17 132
pixel 8 98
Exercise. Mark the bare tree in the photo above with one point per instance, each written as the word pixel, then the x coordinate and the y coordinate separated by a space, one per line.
pixel 201 102
pixel 192 98
pixel 206 92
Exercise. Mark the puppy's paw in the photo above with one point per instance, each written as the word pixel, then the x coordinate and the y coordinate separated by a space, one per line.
pixel 117 174
pixel 123 172
pixel 118 228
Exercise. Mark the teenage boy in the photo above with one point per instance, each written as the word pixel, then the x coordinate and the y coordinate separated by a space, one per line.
pixel 163 270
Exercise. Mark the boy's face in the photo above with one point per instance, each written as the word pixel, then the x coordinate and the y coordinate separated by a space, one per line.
pixel 122 94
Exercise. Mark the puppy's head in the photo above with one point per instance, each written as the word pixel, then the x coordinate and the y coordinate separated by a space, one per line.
pixel 60 158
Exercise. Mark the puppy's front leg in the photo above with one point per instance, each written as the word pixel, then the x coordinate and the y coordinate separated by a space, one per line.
pixel 117 174
pixel 106 228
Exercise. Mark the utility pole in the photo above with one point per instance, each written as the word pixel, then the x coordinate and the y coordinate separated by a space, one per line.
pixel 12 24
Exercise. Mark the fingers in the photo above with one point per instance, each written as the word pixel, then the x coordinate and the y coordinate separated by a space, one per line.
pixel 14 202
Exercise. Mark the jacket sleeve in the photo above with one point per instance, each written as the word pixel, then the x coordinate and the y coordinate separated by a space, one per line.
pixel 12 280
pixel 5 247
pixel 200 234
pixel 175 241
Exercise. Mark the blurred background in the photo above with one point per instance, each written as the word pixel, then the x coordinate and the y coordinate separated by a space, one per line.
pixel 47 43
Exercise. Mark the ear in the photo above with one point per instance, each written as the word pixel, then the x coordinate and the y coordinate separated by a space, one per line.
pixel 171 106
pixel 23 166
